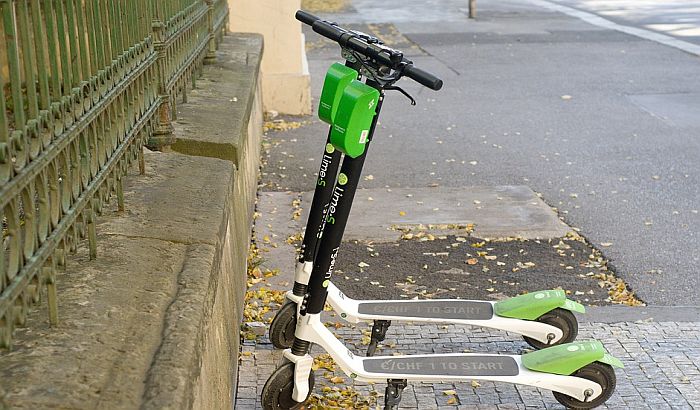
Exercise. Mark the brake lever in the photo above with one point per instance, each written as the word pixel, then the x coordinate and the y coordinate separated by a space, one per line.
pixel 402 91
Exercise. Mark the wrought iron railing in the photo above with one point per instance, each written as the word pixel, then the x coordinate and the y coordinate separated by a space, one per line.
pixel 84 85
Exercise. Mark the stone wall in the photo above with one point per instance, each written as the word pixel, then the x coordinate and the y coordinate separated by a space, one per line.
pixel 153 322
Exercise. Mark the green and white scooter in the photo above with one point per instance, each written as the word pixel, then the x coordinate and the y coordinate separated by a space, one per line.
pixel 580 374
pixel 543 318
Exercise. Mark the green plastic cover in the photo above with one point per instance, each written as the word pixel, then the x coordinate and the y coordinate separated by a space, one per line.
pixel 353 119
pixel 338 77
pixel 533 305
pixel 567 358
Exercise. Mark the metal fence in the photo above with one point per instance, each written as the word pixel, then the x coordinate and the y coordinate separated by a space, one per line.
pixel 84 85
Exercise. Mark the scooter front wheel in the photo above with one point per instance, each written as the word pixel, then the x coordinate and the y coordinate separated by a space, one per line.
pixel 562 319
pixel 277 392
pixel 597 372
pixel 283 326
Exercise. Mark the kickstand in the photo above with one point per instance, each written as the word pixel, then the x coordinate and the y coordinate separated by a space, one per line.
pixel 379 329
pixel 392 394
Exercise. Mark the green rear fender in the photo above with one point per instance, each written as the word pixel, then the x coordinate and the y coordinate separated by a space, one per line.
pixel 533 305
pixel 567 358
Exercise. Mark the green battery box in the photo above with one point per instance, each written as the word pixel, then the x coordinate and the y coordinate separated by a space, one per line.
pixel 353 118
pixel 337 78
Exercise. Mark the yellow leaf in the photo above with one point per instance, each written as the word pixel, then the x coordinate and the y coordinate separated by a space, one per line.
pixel 452 400
pixel 449 392
pixel 337 380
pixel 402 213
pixel 472 261
pixel 475 384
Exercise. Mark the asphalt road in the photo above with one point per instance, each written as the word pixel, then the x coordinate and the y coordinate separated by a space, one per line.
pixel 531 97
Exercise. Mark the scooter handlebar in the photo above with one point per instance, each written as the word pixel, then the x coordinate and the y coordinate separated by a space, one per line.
pixel 347 39
pixel 328 30
pixel 306 17
pixel 423 77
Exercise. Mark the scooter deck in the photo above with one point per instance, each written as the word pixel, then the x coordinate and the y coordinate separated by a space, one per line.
pixel 444 365
pixel 429 309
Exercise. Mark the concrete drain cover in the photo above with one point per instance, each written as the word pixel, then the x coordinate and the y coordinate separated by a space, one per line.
pixel 496 212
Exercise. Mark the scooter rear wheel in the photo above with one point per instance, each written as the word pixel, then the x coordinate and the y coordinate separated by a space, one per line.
pixel 277 392
pixel 283 326
pixel 597 372
pixel 562 319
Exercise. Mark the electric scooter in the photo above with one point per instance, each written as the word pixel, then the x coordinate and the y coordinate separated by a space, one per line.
pixel 581 375
pixel 543 318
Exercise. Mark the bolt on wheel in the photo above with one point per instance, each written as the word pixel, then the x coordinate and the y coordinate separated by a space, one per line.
pixel 597 372
pixel 561 319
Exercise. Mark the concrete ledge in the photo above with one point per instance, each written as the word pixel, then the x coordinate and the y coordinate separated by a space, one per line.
pixel 154 321
pixel 111 315
pixel 223 102
pixel 151 322
pixel 223 117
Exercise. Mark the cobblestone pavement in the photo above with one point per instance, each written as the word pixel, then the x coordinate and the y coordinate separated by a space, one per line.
pixel 661 368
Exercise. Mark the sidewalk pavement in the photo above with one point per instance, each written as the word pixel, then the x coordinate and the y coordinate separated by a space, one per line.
pixel 659 345
pixel 661 368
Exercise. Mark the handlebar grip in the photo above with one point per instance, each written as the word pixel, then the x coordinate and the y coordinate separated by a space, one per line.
pixel 305 17
pixel 423 77
pixel 327 30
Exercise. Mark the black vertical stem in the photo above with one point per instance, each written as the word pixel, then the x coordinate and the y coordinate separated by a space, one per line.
pixel 337 216
pixel 330 162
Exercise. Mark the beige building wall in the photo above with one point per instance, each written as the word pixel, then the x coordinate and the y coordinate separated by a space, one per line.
pixel 285 72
